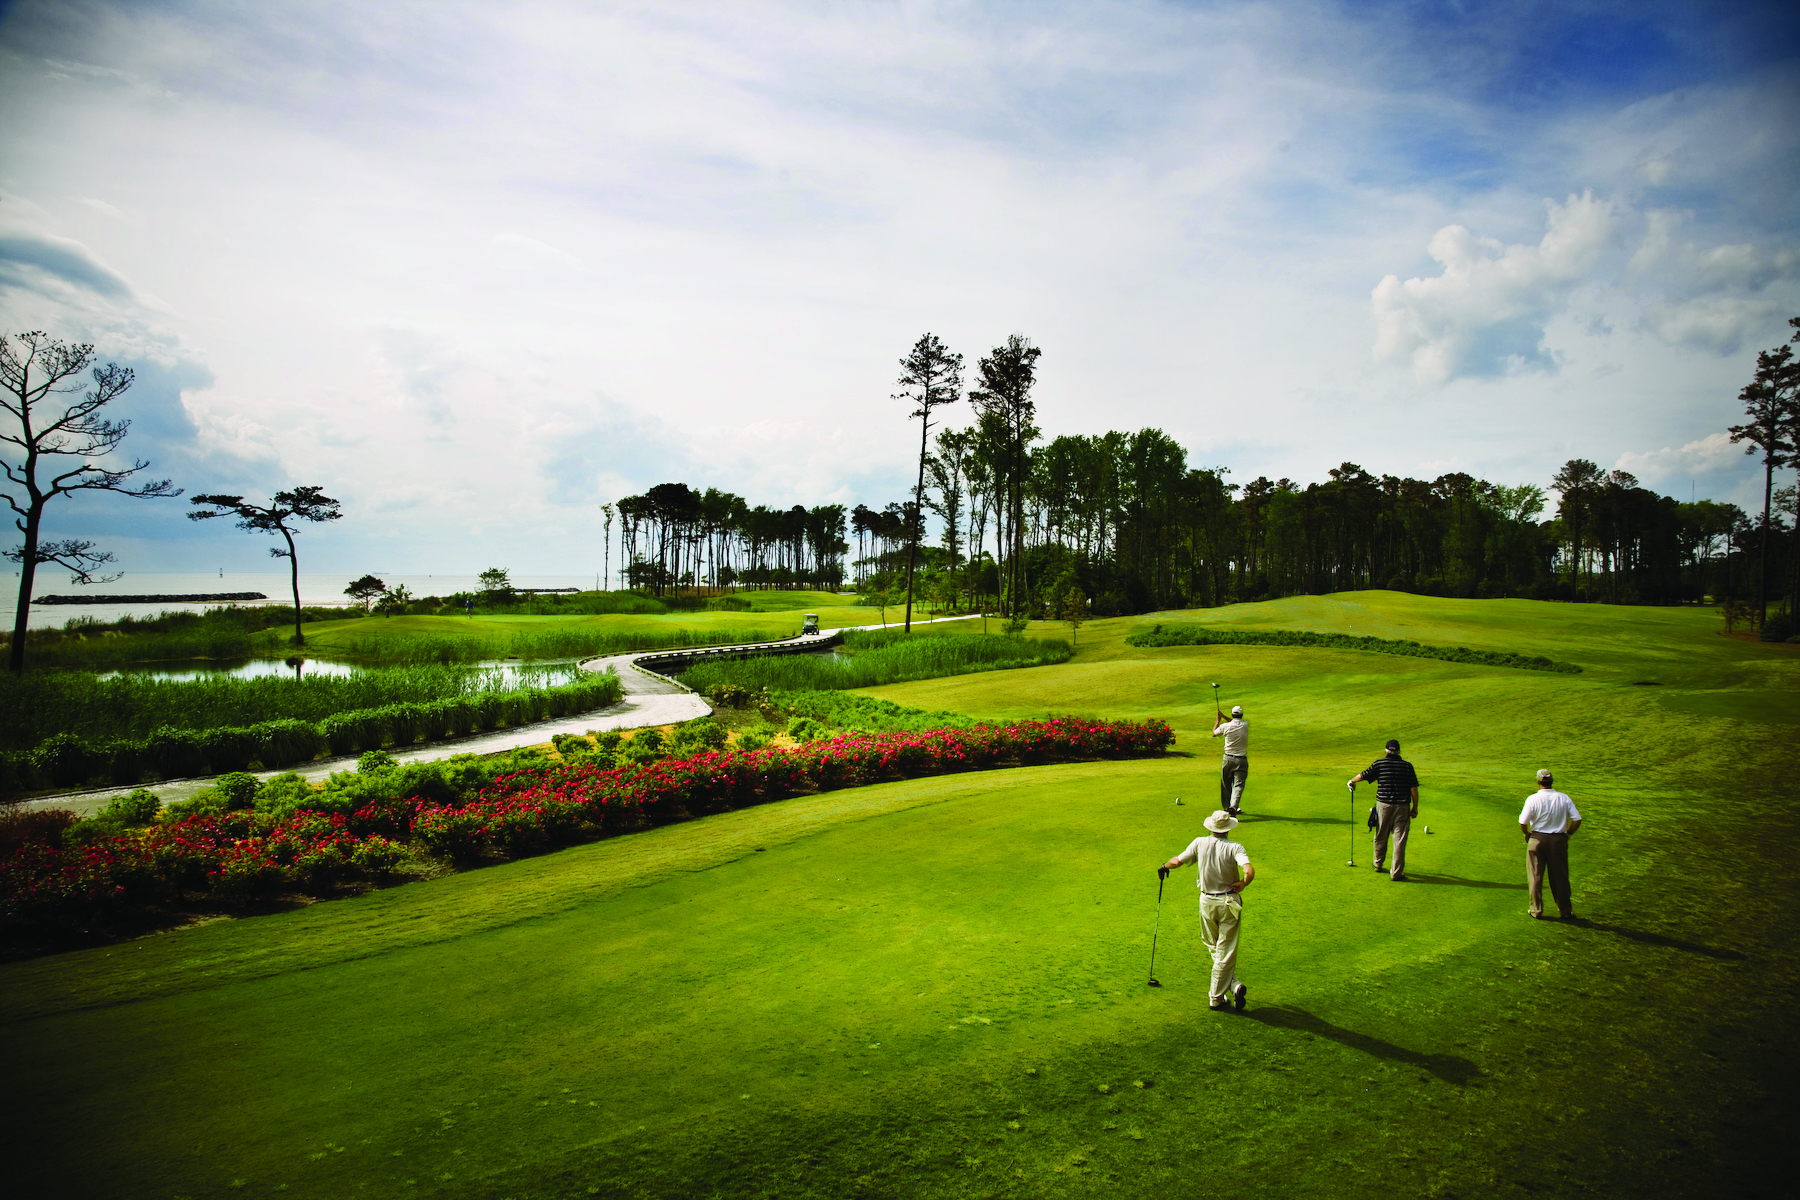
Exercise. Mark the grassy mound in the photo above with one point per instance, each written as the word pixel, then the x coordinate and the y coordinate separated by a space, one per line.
pixel 936 987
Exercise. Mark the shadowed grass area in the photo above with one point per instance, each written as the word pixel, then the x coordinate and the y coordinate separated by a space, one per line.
pixel 936 988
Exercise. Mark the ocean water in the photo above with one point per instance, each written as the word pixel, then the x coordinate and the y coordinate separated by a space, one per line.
pixel 315 589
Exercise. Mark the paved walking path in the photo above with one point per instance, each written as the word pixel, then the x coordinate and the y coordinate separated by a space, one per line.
pixel 648 699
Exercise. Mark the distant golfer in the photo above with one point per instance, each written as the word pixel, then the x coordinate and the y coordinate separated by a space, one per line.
pixel 1396 804
pixel 1548 820
pixel 1224 871
pixel 1234 768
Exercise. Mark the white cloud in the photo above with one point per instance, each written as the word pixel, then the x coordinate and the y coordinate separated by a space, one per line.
pixel 474 270
pixel 1712 299
pixel 1714 452
pixel 1718 324
pixel 1485 314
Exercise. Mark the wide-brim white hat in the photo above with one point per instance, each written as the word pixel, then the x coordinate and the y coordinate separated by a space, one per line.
pixel 1221 822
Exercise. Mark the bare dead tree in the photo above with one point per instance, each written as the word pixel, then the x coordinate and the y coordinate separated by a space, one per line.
pixel 50 445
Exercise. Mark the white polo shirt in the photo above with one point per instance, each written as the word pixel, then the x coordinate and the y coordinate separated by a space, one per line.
pixel 1548 811
pixel 1236 733
pixel 1221 862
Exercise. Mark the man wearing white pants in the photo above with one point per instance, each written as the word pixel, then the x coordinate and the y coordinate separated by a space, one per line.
pixel 1224 871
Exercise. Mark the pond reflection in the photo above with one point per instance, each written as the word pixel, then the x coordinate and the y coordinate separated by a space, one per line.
pixel 512 672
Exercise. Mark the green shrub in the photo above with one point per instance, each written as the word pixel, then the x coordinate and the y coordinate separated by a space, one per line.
pixel 647 739
pixel 19 773
pixel 607 739
pixel 280 743
pixel 120 814
pixel 66 760
pixel 238 788
pixel 371 761
pixel 751 740
pixel 285 795
pixel 173 753
pixel 702 733
pixel 377 856
pixel 805 729
pixel 133 809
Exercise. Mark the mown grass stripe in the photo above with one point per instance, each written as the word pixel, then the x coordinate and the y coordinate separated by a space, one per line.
pixel 1202 635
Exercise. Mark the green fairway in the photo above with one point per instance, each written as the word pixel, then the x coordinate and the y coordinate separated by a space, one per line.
pixel 937 987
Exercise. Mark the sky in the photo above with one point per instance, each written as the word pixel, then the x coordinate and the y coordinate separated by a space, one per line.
pixel 475 269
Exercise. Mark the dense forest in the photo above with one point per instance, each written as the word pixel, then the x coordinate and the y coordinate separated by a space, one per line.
pixel 1122 522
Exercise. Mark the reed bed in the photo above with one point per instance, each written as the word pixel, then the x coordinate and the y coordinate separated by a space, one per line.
pixel 36 706
pixel 875 657
pixel 558 642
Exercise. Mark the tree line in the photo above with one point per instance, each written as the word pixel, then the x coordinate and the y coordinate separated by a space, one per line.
pixel 674 536
pixel 1126 523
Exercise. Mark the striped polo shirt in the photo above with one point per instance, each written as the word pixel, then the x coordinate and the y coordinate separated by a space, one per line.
pixel 1394 779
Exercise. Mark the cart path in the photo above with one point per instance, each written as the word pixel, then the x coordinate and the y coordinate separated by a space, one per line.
pixel 648 699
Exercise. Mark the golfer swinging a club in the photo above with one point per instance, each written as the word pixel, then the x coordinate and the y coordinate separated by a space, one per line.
pixel 1224 872
pixel 1234 766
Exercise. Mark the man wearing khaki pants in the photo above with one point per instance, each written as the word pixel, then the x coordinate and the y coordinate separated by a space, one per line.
pixel 1224 872
pixel 1548 820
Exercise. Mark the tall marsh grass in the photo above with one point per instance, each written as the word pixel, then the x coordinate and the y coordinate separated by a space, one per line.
pixel 874 657
pixel 36 706
pixel 238 631
pixel 560 642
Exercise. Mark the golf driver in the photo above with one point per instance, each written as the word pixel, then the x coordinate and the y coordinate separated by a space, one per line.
pixel 1161 877
pixel 1352 861
pixel 1216 711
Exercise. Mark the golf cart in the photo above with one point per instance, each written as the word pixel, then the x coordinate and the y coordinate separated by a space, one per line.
pixel 809 625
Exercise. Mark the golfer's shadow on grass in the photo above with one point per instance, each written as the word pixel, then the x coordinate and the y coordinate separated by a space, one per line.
pixel 1458 881
pixel 1250 818
pixel 1660 939
pixel 1447 1067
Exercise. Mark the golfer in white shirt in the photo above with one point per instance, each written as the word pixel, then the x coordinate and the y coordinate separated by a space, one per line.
pixel 1234 767
pixel 1224 872
pixel 1548 820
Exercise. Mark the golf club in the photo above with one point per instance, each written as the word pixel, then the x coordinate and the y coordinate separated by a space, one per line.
pixel 1216 711
pixel 1160 879
pixel 1352 861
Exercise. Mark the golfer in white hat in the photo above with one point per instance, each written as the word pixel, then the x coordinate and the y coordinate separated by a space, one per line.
pixel 1224 872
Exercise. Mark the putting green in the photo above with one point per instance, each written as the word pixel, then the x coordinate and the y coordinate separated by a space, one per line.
pixel 937 987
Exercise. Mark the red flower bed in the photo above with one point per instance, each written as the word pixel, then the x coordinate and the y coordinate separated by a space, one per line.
pixel 240 857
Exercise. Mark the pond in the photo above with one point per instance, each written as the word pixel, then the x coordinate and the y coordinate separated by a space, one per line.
pixel 512 672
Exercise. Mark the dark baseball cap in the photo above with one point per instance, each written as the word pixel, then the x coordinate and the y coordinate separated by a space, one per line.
pixel 1393 746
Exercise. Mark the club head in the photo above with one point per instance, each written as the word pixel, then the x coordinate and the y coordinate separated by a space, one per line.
pixel 1350 863
pixel 1154 983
